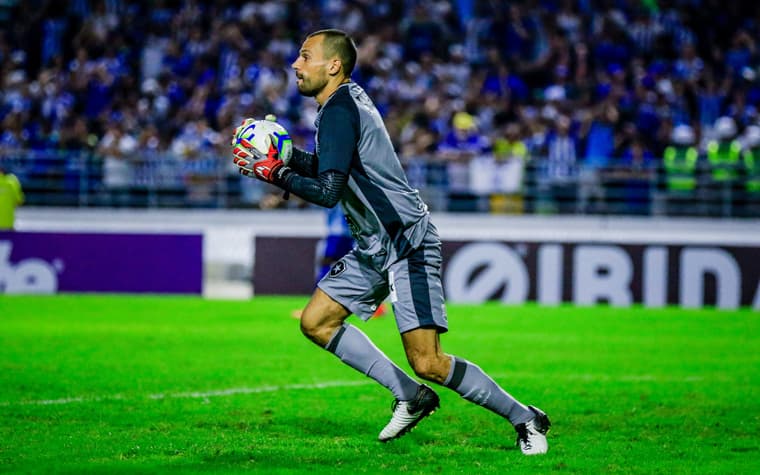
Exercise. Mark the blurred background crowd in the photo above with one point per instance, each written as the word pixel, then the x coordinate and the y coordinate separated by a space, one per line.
pixel 567 106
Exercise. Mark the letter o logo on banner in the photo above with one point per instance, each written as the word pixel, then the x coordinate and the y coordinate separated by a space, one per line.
pixel 501 267
pixel 33 276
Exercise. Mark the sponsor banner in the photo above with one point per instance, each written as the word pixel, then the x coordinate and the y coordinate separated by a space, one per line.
pixel 550 273
pixel 655 275
pixel 86 262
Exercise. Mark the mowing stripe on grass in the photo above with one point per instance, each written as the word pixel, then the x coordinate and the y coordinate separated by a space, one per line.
pixel 630 378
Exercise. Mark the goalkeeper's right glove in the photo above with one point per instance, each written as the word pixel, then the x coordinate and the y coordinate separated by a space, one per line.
pixel 252 162
pixel 264 167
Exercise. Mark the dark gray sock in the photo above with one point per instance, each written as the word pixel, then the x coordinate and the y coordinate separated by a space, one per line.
pixel 356 350
pixel 473 384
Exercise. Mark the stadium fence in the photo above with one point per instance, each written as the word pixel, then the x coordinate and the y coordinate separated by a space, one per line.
pixel 480 184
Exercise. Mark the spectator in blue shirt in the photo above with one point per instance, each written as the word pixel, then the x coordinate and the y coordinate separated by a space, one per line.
pixel 635 173
pixel 504 83
pixel 599 134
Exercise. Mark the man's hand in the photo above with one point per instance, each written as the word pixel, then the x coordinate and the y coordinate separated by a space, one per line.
pixel 251 161
pixel 237 130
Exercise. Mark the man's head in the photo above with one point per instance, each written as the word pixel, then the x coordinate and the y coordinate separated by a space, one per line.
pixel 326 56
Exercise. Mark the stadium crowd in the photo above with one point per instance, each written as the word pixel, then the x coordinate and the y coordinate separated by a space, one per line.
pixel 471 88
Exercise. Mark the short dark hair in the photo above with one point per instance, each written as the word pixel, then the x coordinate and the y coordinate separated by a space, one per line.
pixel 338 43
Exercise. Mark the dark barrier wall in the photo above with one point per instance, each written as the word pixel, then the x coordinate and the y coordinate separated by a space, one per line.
pixel 549 272
pixel 80 262
pixel 284 265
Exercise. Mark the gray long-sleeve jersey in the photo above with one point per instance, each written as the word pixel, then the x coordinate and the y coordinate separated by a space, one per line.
pixel 355 162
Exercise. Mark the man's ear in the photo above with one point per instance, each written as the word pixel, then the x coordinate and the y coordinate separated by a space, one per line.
pixel 335 67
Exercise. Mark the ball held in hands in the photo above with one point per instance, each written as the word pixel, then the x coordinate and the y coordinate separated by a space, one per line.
pixel 259 139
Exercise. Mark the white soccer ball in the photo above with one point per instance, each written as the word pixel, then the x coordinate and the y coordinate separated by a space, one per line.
pixel 264 134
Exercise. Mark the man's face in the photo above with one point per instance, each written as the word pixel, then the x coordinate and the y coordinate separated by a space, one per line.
pixel 311 67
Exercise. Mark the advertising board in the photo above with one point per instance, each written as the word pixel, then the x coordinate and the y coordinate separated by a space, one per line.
pixel 584 273
pixel 42 262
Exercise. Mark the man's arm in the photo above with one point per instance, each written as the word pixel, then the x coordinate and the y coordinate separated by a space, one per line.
pixel 338 137
pixel 303 163
pixel 16 188
pixel 325 189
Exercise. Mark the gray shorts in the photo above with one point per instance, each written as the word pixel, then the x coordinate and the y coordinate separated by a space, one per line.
pixel 413 285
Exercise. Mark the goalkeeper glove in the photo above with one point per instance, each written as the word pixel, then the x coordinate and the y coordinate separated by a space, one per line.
pixel 252 162
pixel 264 167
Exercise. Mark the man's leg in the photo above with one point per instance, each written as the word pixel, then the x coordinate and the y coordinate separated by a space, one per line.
pixel 423 350
pixel 323 322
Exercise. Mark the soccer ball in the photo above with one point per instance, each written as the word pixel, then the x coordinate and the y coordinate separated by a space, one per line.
pixel 262 135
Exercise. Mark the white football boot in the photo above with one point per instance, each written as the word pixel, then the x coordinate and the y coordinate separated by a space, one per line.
pixel 531 435
pixel 406 414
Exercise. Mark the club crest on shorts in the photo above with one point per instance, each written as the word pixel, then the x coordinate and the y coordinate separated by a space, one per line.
pixel 337 269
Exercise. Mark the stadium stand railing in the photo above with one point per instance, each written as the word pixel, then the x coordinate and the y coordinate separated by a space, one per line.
pixel 81 179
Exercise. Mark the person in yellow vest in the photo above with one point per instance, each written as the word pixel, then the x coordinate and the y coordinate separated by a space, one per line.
pixel 680 171
pixel 511 154
pixel 11 196
pixel 750 204
pixel 723 159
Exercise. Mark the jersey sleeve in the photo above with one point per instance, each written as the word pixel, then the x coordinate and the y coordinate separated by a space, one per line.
pixel 303 163
pixel 338 137
pixel 323 190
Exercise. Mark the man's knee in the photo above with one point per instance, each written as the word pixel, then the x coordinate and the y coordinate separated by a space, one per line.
pixel 316 329
pixel 321 318
pixel 308 327
pixel 430 367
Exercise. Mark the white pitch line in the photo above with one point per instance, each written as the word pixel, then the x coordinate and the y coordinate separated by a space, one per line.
pixel 604 378
pixel 190 395
pixel 52 402
pixel 261 389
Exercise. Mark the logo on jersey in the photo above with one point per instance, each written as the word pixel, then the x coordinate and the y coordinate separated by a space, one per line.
pixel 337 269
pixel 392 286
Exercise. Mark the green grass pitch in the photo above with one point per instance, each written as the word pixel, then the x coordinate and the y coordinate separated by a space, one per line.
pixel 146 384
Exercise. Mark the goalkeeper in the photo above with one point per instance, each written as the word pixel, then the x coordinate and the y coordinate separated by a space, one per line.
pixel 398 251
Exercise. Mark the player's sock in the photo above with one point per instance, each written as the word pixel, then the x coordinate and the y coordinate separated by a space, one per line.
pixel 473 384
pixel 356 350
